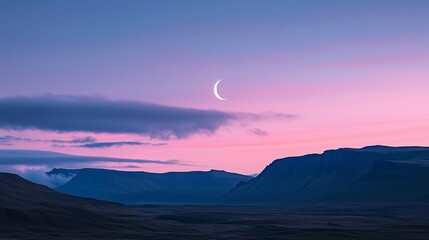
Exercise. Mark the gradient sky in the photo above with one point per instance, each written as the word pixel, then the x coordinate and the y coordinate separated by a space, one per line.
pixel 353 73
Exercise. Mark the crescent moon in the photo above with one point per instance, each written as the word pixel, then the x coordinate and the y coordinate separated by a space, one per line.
pixel 215 91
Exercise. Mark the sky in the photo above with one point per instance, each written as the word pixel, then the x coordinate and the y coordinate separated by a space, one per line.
pixel 134 80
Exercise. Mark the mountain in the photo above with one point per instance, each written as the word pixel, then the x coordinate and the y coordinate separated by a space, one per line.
pixel 66 173
pixel 33 211
pixel 144 187
pixel 375 174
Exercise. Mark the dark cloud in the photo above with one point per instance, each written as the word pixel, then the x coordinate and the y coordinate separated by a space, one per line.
pixel 98 115
pixel 110 144
pixel 53 159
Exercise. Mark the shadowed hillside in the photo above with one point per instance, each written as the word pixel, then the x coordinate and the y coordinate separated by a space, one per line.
pixel 29 209
pixel 375 174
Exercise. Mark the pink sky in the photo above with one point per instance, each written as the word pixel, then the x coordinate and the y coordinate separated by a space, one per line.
pixel 355 74
pixel 385 111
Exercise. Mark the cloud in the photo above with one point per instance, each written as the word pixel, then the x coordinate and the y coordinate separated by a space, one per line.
pixel 85 142
pixel 54 159
pixel 40 176
pixel 131 166
pixel 99 115
pixel 10 139
pixel 61 113
pixel 7 140
pixel 75 140
pixel 257 131
pixel 265 116
pixel 159 144
pixel 110 144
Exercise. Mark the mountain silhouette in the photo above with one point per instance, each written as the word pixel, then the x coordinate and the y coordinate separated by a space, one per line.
pixel 66 173
pixel 144 187
pixel 375 174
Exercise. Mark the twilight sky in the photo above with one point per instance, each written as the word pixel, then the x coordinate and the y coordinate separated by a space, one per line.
pixel 133 79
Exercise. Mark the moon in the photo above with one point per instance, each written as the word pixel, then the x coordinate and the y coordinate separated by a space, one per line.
pixel 215 90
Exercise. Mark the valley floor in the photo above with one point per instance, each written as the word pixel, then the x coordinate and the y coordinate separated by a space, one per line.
pixel 257 222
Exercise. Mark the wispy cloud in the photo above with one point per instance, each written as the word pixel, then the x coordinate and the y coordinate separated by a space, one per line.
pixel 74 140
pixel 257 131
pixel 84 142
pixel 265 116
pixel 8 140
pixel 111 144
pixel 54 159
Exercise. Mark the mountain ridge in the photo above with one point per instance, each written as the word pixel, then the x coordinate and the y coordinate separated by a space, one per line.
pixel 373 174
pixel 137 187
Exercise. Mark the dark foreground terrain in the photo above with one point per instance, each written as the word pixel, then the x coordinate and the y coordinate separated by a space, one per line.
pixel 234 222
pixel 298 222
